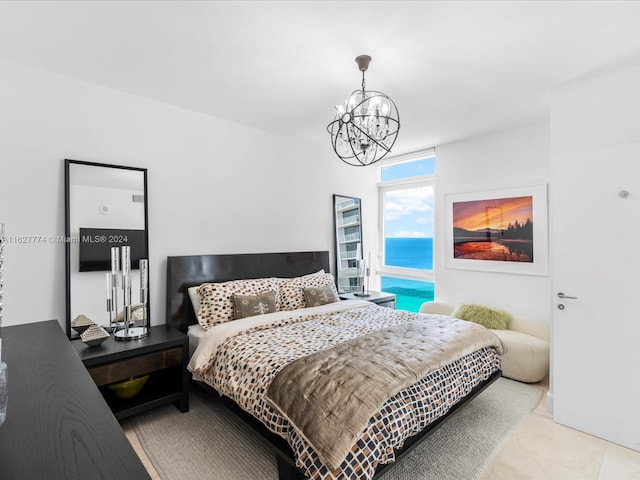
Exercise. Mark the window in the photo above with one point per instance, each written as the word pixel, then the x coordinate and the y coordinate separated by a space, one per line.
pixel 406 195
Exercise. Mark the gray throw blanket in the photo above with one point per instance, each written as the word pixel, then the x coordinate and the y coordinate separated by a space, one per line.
pixel 330 396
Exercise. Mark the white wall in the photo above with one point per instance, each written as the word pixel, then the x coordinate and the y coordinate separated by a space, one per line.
pixel 214 186
pixel 508 158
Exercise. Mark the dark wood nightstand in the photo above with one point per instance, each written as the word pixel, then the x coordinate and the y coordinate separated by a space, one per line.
pixel 380 298
pixel 163 355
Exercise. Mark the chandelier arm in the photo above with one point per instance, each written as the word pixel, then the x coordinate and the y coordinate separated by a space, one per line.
pixel 389 119
pixel 373 94
pixel 377 94
pixel 383 117
pixel 335 140
pixel 337 120
pixel 355 92
pixel 372 139
pixel 355 154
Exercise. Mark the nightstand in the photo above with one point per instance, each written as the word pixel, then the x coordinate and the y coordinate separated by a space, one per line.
pixel 380 298
pixel 163 355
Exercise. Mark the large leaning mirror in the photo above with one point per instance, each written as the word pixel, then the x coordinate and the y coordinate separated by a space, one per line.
pixel 106 206
pixel 348 233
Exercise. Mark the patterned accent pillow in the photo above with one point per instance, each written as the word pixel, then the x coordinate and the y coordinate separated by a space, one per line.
pixel 251 305
pixel 215 298
pixel 291 294
pixel 316 296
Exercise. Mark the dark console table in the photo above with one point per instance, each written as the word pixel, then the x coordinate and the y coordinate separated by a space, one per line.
pixel 58 424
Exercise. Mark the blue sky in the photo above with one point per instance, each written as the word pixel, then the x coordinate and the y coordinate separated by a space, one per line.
pixel 409 212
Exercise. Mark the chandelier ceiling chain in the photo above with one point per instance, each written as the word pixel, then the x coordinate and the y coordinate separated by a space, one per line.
pixel 366 125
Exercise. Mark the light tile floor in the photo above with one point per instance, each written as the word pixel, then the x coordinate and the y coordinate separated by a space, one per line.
pixel 537 449
pixel 127 426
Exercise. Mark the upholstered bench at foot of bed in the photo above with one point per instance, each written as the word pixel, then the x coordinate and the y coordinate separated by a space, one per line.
pixel 526 345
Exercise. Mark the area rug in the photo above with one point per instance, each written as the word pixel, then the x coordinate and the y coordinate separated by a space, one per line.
pixel 211 443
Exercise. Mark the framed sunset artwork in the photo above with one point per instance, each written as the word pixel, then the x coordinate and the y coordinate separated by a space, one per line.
pixel 503 230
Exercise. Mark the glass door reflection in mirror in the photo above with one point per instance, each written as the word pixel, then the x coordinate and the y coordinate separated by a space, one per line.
pixel 106 206
pixel 348 232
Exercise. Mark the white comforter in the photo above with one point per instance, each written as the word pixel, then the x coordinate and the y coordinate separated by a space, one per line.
pixel 214 337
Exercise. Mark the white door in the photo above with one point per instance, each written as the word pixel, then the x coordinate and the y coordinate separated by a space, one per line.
pixel 595 248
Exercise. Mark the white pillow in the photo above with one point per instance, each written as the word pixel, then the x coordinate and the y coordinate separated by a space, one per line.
pixel 194 297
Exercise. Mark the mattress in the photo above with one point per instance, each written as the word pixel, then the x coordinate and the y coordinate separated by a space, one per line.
pixel 194 333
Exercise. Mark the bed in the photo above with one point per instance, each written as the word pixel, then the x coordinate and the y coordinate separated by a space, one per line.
pixel 267 367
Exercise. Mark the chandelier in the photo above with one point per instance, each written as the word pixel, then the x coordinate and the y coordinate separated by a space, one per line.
pixel 366 125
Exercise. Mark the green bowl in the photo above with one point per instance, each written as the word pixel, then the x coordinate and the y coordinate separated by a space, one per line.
pixel 128 388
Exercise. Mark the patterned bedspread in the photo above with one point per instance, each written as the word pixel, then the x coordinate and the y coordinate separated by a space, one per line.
pixel 241 360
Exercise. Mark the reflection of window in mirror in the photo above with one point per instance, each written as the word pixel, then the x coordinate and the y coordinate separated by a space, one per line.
pixel 348 232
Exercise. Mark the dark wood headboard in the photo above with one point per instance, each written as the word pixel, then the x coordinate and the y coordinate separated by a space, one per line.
pixel 187 271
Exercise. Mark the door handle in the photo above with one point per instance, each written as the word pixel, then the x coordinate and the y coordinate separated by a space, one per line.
pixel 562 295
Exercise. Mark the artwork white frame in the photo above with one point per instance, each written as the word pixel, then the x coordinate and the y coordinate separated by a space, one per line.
pixel 540 263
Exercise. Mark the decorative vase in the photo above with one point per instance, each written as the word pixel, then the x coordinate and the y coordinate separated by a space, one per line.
pixel 3 366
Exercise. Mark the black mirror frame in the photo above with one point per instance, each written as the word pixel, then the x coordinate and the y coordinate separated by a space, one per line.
pixel 337 242
pixel 67 229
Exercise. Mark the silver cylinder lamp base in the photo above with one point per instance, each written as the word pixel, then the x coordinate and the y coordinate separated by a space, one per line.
pixel 133 333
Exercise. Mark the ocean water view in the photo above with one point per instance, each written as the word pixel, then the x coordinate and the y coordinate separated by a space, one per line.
pixel 410 253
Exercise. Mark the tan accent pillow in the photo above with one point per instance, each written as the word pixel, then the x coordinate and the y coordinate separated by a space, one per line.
pixel 291 294
pixel 251 305
pixel 215 298
pixel 316 296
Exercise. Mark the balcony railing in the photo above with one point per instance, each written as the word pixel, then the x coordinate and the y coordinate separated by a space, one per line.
pixel 346 204
pixel 350 238
pixel 352 220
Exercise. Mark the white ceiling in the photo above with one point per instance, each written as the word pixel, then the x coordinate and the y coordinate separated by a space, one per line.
pixel 454 69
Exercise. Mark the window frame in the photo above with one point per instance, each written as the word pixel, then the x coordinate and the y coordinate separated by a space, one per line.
pixel 404 184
